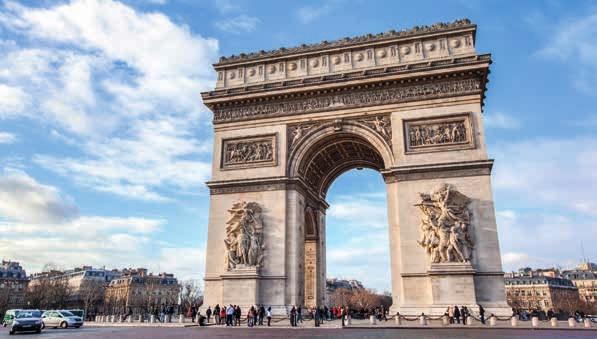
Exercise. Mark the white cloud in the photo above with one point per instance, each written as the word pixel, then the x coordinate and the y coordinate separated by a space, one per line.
pixel 7 138
pixel 226 6
pixel 119 84
pixel 349 210
pixel 575 42
pixel 501 120
pixel 40 226
pixel 557 174
pixel 240 24
pixel 13 101
pixel 23 198
pixel 308 14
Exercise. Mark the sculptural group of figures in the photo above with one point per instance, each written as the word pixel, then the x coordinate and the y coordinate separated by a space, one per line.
pixel 244 236
pixel 250 151
pixel 436 134
pixel 445 225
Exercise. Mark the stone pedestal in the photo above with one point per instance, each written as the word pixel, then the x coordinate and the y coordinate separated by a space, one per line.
pixel 241 287
pixel 451 284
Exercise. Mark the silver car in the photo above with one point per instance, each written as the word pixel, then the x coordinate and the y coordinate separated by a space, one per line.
pixel 61 318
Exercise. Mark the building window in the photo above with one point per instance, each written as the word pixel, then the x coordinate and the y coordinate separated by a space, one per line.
pixel 369 54
pixel 220 76
pixel 393 51
pixel 346 57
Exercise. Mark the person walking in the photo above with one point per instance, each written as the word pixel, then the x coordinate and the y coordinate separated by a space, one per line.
pixel 464 314
pixel 229 315
pixel 482 314
pixel 217 314
pixel 208 313
pixel 250 317
pixel 299 314
pixel 268 314
pixel 342 314
pixel 293 316
pixel 194 313
pixel 223 315
pixel 457 314
pixel 238 315
pixel 450 312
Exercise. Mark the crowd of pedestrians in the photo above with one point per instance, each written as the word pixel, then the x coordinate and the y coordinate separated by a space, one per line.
pixel 232 315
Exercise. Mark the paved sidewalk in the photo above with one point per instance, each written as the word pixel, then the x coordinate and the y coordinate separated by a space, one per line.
pixel 362 324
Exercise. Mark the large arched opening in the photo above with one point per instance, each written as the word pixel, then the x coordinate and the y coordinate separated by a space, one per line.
pixel 317 161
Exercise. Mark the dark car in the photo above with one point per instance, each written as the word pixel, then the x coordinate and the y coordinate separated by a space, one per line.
pixel 26 321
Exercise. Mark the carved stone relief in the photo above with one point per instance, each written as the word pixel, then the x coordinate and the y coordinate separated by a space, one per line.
pixel 355 98
pixel 249 152
pixel 382 125
pixel 244 236
pixel 446 225
pixel 438 134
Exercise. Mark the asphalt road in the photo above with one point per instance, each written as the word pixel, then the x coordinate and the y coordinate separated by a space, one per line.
pixel 285 333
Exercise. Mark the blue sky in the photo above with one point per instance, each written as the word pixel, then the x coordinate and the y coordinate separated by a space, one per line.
pixel 105 145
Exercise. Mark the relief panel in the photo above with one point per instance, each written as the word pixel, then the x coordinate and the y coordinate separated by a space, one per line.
pixel 256 151
pixel 439 134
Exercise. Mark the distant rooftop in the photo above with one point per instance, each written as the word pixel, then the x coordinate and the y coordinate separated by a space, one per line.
pixel 348 41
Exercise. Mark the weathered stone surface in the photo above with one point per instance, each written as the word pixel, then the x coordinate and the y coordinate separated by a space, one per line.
pixel 418 123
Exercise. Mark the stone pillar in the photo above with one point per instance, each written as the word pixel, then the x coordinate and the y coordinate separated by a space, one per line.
pixel 535 321
pixel 422 320
pixel 152 319
pixel 469 320
pixel 587 322
pixel 445 320
pixel 571 322
pixel 398 320
pixel 492 320
pixel 514 321
pixel 554 322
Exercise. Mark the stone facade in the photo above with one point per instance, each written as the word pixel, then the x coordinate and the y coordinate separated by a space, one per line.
pixel 140 292
pixel 13 285
pixel 407 104
pixel 541 293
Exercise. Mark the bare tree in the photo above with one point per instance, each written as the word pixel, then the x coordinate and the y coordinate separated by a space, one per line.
pixel 191 295
pixel 91 293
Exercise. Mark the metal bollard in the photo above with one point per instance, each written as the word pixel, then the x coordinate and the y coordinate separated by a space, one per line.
pixel 180 319
pixel 130 319
pixel 553 321
pixel 140 318
pixel 469 320
pixel 492 321
pixel 398 320
pixel 571 322
pixel 152 318
pixel 535 321
pixel 120 318
pixel 423 320
pixel 514 321
pixel 372 320
pixel 445 320
pixel 113 318
pixel 587 323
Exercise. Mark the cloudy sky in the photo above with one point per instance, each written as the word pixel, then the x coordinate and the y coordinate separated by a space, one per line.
pixel 105 145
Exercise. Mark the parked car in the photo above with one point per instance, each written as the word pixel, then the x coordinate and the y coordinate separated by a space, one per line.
pixel 61 318
pixel 9 317
pixel 26 321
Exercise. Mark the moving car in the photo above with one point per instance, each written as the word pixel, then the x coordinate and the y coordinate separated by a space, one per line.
pixel 9 317
pixel 61 318
pixel 26 321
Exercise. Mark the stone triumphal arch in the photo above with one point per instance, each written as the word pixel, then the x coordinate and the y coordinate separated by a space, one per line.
pixel 288 122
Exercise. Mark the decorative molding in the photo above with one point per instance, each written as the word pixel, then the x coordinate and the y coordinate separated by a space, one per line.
pixel 353 99
pixel 296 133
pixel 437 171
pixel 255 151
pixel 435 134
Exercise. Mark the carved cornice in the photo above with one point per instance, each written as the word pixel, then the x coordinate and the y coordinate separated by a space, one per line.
pixel 446 64
pixel 436 171
pixel 380 94
pixel 265 185
pixel 348 42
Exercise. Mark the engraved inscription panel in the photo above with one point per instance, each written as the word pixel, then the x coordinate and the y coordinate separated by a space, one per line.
pixel 440 134
pixel 249 152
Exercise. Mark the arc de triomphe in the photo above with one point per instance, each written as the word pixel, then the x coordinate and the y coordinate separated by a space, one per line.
pixel 288 122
